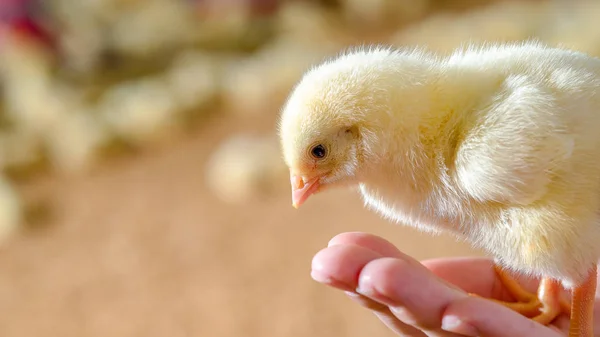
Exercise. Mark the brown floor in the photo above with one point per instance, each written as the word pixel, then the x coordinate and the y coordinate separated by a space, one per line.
pixel 139 247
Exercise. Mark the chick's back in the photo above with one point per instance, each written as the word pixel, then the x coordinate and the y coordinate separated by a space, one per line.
pixel 530 152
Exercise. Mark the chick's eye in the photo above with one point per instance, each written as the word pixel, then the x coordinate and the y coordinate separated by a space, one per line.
pixel 318 152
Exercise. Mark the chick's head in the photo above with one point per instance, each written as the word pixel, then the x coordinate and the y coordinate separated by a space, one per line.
pixel 328 127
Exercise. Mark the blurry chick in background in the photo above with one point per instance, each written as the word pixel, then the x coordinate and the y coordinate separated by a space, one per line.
pixel 497 145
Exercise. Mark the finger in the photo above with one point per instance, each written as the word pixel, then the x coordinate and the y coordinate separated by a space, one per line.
pixel 460 271
pixel 339 266
pixel 456 271
pixel 385 315
pixel 415 295
pixel 474 316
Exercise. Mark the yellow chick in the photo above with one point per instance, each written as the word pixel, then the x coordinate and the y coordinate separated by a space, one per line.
pixel 496 144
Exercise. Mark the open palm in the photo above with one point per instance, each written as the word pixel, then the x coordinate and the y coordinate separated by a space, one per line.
pixel 427 298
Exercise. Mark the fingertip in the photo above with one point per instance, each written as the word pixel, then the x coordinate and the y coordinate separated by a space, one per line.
pixel 322 272
pixel 368 241
pixel 347 238
pixel 382 279
pixel 340 265
pixel 454 324
pixel 320 259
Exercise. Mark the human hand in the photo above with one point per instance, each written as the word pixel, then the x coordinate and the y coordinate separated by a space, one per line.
pixel 429 298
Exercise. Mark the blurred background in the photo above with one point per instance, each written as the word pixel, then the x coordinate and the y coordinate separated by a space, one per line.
pixel 142 190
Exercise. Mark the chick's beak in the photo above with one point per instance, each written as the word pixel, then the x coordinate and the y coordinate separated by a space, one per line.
pixel 302 188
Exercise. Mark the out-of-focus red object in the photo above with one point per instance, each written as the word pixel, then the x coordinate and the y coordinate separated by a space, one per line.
pixel 18 18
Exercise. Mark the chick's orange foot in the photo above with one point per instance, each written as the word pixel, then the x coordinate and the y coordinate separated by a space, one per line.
pixel 542 307
pixel 547 304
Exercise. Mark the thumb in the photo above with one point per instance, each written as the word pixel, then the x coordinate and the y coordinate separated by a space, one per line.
pixel 474 316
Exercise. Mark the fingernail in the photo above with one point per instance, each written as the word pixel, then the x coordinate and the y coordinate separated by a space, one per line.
pixel 364 286
pixel 365 292
pixel 332 242
pixel 373 294
pixel 319 277
pixel 328 280
pixel 456 325
pixel 352 294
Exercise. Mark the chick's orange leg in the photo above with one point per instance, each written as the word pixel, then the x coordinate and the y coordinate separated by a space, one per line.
pixel 582 307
